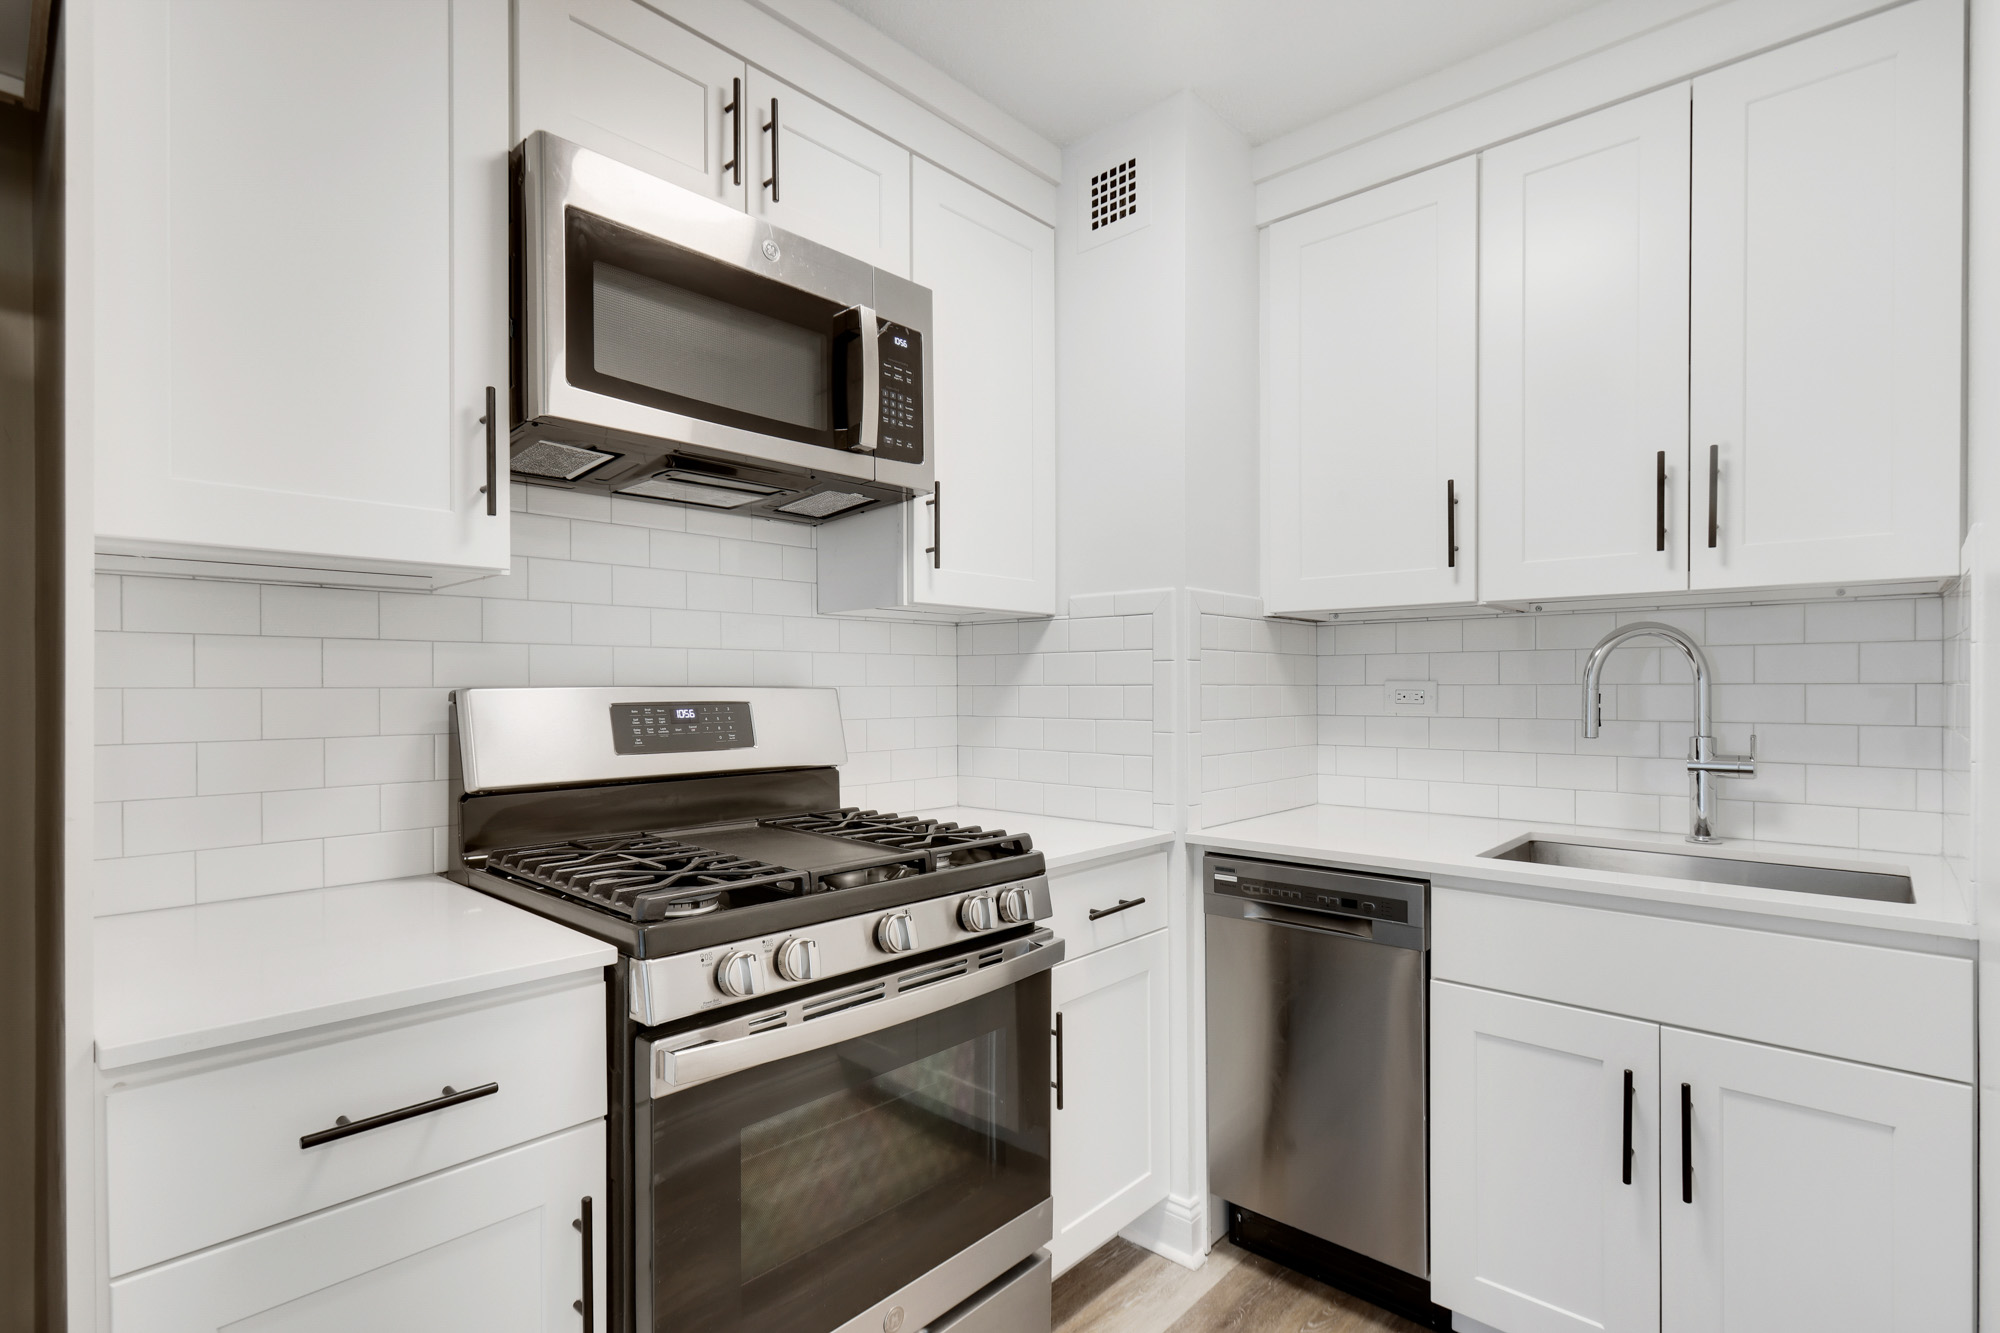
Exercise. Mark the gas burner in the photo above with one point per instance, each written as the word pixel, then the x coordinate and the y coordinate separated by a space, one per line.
pixel 646 876
pixel 943 844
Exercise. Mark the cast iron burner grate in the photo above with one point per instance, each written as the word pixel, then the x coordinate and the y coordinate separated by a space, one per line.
pixel 944 844
pixel 646 876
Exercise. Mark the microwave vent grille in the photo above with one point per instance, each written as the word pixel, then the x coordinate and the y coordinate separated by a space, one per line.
pixel 823 504
pixel 564 462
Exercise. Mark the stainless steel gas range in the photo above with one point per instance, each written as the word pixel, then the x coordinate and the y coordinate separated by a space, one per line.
pixel 828 1044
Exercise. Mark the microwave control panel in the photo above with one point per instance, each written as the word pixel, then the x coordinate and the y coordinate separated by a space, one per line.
pixel 901 437
pixel 676 728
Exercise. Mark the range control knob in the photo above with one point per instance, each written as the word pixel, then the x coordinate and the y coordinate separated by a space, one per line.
pixel 896 933
pixel 798 960
pixel 740 973
pixel 1017 904
pixel 978 913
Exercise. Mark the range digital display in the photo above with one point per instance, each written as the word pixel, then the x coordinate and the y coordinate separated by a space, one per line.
pixel 679 728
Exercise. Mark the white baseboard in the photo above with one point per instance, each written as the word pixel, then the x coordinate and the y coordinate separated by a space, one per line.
pixel 1173 1229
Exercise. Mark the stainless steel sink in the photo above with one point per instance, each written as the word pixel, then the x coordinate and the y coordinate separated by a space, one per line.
pixel 1874 885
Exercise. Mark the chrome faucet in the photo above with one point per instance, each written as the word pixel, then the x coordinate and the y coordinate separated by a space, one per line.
pixel 1704 764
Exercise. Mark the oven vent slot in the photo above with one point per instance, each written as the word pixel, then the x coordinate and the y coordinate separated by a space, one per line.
pixel 918 978
pixel 777 1018
pixel 990 957
pixel 847 999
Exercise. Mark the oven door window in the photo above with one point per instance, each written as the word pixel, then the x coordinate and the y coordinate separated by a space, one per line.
pixel 668 328
pixel 791 1197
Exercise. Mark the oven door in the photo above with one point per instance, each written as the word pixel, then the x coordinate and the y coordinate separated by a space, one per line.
pixel 881 1148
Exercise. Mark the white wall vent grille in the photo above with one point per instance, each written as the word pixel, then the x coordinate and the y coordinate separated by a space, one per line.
pixel 1111 206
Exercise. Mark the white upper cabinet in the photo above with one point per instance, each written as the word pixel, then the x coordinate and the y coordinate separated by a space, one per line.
pixel 985 540
pixel 1370 415
pixel 1814 1194
pixel 299 297
pixel 1583 372
pixel 622 80
pixel 826 177
pixel 992 525
pixel 1827 303
pixel 1545 1157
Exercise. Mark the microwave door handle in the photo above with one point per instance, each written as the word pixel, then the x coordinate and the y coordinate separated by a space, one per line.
pixel 870 437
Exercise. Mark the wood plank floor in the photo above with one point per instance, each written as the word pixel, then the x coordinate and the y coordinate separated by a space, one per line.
pixel 1124 1289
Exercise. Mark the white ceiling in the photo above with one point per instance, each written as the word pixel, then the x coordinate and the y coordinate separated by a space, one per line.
pixel 1068 67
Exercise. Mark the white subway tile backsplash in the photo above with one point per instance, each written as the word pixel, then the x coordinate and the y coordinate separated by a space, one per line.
pixel 1849 702
pixel 189 606
pixel 153 716
pixel 143 883
pixel 248 872
pixel 302 713
pixel 228 767
pixel 321 812
pixel 143 772
pixel 189 823
pixel 320 612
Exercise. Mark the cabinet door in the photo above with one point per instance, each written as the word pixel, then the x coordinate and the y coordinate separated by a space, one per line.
pixel 1109 1128
pixel 1540 1222
pixel 490 1247
pixel 1583 264
pixel 837 183
pixel 619 78
pixel 992 274
pixel 1370 409
pixel 1826 1196
pixel 1827 306
pixel 298 279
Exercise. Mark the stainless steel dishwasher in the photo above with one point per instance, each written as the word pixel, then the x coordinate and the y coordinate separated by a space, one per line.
pixel 1317 1044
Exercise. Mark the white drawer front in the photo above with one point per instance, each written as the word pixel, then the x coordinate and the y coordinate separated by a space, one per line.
pixel 194 1160
pixel 1889 1007
pixel 1100 888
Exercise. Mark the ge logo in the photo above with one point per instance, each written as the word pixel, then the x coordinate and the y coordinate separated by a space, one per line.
pixel 771 253
pixel 892 1322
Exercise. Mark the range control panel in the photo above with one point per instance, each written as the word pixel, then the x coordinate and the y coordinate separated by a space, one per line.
pixel 1349 895
pixel 676 728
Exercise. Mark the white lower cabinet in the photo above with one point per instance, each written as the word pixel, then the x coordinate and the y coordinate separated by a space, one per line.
pixel 1769 1189
pixel 490 1247
pixel 1540 1222
pixel 1820 1195
pixel 1109 1117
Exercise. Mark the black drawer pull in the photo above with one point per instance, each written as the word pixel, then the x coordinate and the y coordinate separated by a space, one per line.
pixel 343 1127
pixel 1124 905
pixel 1057 1082
pixel 1628 1126
pixel 587 1307
pixel 1687 1144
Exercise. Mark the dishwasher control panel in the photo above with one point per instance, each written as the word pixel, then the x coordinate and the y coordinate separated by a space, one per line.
pixel 1312 888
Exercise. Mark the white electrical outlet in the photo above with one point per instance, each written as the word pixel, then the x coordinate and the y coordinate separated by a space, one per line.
pixel 1412 696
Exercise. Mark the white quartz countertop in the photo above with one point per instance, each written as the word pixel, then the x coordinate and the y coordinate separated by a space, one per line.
pixel 186 979
pixel 1446 848
pixel 1064 843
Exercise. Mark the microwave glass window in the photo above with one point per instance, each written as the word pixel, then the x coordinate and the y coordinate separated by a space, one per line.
pixel 680 342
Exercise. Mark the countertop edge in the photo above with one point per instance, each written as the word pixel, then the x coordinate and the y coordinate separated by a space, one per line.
pixel 123 1055
pixel 1643 890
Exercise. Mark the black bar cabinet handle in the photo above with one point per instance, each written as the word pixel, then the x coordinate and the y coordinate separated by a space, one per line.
pixel 1714 471
pixel 587 1307
pixel 491 490
pixel 1451 523
pixel 1687 1144
pixel 734 166
pixel 343 1127
pixel 1628 1127
pixel 773 127
pixel 1660 504
pixel 936 549
pixel 1124 905
pixel 1057 1084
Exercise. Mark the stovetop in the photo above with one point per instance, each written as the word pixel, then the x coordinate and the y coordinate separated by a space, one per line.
pixel 672 874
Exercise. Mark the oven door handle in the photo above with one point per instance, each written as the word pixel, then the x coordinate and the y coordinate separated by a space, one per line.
pixel 675 1070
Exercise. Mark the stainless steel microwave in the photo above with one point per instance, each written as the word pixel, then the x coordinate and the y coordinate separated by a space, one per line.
pixel 669 347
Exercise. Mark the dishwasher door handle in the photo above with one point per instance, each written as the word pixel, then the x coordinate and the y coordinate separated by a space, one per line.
pixel 1354 927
